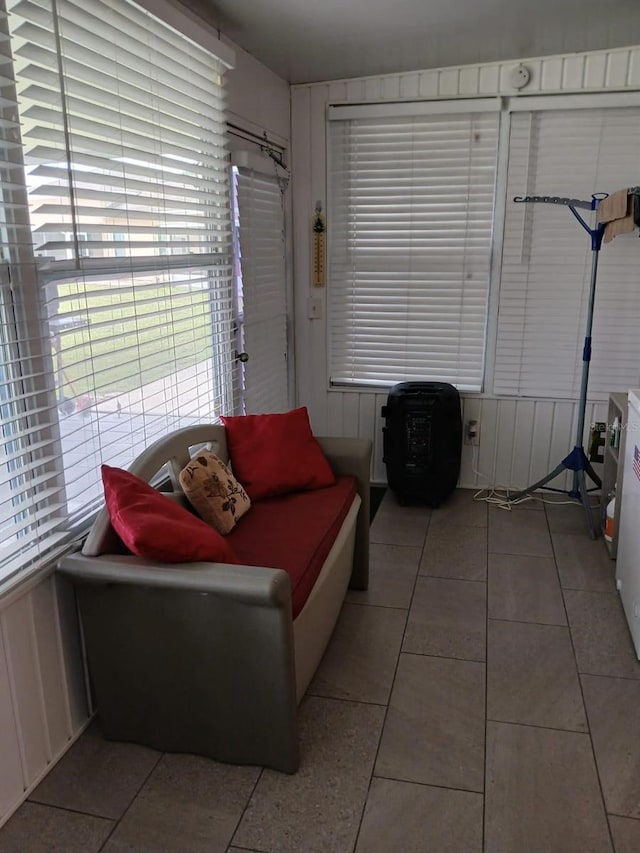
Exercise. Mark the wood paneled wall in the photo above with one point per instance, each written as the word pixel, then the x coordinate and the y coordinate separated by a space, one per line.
pixel 43 699
pixel 520 440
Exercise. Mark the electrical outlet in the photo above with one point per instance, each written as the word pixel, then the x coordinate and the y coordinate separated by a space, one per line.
pixel 472 432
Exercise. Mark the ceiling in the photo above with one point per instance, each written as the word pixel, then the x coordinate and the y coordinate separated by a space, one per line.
pixel 311 40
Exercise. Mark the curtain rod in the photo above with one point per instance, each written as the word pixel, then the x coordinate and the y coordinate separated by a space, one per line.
pixel 250 136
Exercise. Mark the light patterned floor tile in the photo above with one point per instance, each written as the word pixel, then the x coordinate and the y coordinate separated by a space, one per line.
pixel 434 730
pixel 542 793
pixel 320 806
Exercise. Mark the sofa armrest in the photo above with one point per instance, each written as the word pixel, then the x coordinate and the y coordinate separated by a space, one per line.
pixel 191 658
pixel 251 584
pixel 353 456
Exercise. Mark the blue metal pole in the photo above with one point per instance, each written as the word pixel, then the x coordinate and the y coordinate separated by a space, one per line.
pixel 586 361
pixel 596 235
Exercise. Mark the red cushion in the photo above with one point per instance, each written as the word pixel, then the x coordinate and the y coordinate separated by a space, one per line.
pixel 153 526
pixel 276 454
pixel 294 533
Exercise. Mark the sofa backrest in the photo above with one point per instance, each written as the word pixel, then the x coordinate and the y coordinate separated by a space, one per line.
pixel 163 460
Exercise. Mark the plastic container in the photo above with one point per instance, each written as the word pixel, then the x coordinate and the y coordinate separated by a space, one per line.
pixel 610 518
pixel 614 438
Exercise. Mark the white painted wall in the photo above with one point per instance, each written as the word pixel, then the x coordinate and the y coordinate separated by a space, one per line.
pixel 257 99
pixel 43 699
pixel 520 439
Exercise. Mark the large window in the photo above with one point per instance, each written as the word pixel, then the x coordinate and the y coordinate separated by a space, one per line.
pixel 546 265
pixel 116 308
pixel 413 190
pixel 410 227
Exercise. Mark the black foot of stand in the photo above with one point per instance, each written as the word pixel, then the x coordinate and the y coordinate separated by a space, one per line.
pixel 577 462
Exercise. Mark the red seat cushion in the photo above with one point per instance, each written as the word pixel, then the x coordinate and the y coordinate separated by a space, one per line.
pixel 276 454
pixel 154 527
pixel 295 533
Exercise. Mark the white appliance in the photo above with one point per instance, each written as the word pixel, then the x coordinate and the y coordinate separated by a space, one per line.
pixel 628 559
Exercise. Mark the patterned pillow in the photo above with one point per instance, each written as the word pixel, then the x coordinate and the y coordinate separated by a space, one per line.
pixel 213 491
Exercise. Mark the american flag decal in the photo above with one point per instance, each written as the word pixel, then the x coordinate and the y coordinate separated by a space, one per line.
pixel 636 461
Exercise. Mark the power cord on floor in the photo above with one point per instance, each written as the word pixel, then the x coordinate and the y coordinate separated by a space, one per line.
pixel 500 496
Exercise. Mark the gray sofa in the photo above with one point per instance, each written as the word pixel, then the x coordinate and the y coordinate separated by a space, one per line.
pixel 205 658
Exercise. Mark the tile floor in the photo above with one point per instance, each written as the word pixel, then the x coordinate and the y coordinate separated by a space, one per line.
pixel 482 695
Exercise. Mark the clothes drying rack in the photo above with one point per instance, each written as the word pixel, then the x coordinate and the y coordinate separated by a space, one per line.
pixel 577 460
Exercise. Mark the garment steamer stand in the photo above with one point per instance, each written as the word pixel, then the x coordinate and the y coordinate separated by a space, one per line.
pixel 577 460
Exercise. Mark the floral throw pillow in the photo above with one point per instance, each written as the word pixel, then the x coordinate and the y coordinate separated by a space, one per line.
pixel 213 491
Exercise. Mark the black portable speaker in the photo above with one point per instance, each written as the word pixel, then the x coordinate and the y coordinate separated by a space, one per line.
pixel 422 441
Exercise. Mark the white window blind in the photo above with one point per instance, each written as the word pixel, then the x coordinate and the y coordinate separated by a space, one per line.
pixel 31 488
pixel 411 209
pixel 131 143
pixel 123 327
pixel 547 257
pixel 262 246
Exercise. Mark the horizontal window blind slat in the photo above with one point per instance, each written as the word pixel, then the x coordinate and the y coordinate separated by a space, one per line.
pixel 39 49
pixel 129 212
pixel 130 27
pixel 91 117
pixel 111 182
pixel 85 35
pixel 84 138
pixel 154 167
pixel 129 98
